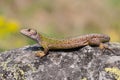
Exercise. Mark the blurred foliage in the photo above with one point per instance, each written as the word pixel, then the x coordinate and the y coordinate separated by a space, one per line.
pixel 8 27
pixel 41 5
pixel 57 18
pixel 115 2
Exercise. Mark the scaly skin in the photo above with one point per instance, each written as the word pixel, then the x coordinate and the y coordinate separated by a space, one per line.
pixel 50 43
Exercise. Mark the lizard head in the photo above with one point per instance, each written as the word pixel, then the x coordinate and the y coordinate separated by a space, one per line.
pixel 31 33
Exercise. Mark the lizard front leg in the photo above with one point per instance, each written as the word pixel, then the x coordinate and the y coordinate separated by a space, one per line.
pixel 44 52
pixel 41 53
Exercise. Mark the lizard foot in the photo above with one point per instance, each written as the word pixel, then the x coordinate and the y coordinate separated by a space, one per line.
pixel 105 46
pixel 40 54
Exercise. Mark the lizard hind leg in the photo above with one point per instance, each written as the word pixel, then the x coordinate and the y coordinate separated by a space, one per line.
pixel 94 41
pixel 105 46
pixel 97 42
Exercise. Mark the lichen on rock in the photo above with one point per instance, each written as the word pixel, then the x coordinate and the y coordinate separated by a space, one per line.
pixel 89 63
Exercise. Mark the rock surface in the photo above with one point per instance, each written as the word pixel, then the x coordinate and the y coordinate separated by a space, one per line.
pixel 86 63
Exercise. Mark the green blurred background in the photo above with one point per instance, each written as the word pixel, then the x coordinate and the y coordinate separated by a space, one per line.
pixel 57 18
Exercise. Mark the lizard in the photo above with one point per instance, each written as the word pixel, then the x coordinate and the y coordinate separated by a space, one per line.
pixel 50 43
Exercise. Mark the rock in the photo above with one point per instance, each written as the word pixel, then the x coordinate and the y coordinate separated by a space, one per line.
pixel 85 63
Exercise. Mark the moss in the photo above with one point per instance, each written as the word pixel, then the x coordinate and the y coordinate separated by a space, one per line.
pixel 114 71
pixel 18 73
pixel 84 78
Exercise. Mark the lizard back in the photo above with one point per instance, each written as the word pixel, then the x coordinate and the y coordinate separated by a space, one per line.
pixel 74 42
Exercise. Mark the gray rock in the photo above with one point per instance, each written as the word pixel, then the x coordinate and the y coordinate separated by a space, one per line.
pixel 85 63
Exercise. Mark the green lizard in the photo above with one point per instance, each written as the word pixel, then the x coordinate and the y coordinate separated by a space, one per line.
pixel 50 43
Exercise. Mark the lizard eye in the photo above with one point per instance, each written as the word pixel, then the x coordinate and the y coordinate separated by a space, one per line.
pixel 29 30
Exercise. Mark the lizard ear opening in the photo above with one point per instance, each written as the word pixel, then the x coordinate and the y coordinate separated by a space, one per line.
pixel 31 31
pixel 34 32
